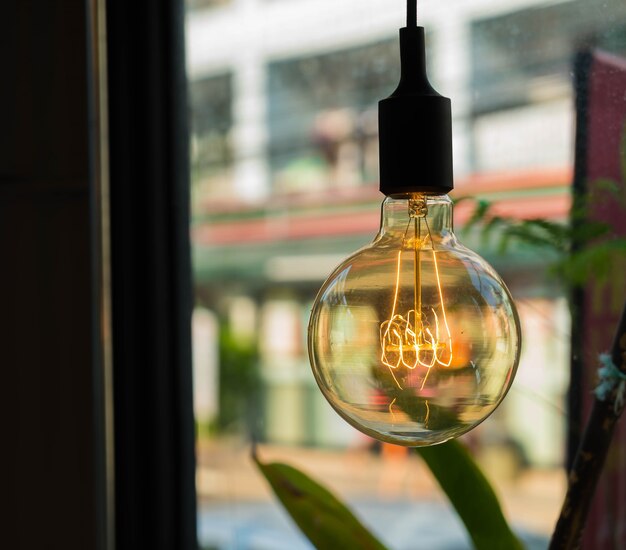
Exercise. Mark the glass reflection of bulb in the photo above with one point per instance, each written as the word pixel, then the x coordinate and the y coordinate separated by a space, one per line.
pixel 414 339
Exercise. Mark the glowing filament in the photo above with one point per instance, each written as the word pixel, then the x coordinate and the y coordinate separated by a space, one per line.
pixel 420 337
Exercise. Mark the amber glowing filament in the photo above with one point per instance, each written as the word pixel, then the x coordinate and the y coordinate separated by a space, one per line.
pixel 421 337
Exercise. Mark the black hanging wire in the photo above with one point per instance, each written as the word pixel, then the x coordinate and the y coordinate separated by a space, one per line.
pixel 415 119
pixel 411 13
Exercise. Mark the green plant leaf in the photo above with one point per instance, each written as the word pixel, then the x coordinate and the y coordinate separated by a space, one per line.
pixel 468 490
pixel 586 232
pixel 493 224
pixel 324 520
pixel 594 262
pixel 480 214
pixel 471 495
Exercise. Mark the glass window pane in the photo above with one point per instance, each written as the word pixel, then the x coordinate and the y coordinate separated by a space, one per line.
pixel 283 99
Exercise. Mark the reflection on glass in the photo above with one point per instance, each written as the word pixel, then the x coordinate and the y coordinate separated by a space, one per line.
pixel 524 55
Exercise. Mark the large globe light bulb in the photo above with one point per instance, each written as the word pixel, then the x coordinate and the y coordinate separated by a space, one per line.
pixel 414 339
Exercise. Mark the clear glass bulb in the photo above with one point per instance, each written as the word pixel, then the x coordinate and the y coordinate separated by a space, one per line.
pixel 414 339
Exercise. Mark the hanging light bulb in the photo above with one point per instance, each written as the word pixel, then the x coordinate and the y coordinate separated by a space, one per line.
pixel 414 339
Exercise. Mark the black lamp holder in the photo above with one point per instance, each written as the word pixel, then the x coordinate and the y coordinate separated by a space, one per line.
pixel 415 126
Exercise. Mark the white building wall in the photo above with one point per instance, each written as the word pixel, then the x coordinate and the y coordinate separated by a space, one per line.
pixel 244 36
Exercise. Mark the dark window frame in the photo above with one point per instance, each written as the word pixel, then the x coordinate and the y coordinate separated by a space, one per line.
pixel 155 500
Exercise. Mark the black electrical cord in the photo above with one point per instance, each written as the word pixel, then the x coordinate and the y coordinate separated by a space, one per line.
pixel 411 13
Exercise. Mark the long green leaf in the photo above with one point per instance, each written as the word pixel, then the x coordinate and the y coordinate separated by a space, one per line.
pixel 471 495
pixel 324 520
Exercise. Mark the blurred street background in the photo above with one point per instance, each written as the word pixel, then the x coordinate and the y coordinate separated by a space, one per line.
pixel 283 107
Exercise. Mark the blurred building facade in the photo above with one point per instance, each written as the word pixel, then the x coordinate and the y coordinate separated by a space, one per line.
pixel 283 97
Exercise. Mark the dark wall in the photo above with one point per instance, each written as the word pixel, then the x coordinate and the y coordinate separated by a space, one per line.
pixel 51 337
pixel 49 325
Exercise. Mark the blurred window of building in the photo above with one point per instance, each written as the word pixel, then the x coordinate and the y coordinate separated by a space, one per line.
pixel 323 116
pixel 211 101
pixel 521 80
pixel 526 56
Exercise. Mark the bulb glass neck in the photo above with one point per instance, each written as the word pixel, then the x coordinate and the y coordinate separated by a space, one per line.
pixel 434 209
